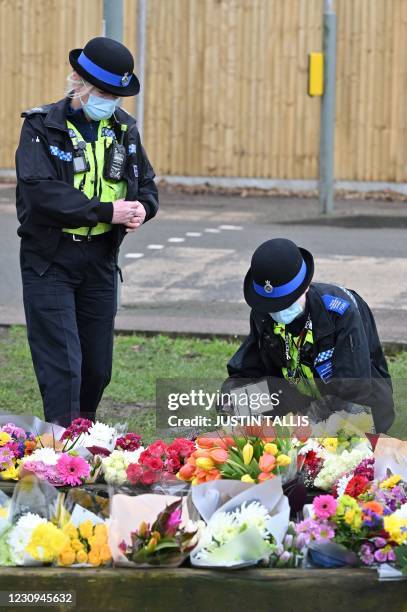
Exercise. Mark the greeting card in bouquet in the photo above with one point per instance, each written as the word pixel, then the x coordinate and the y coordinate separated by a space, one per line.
pixel 150 530
pixel 243 522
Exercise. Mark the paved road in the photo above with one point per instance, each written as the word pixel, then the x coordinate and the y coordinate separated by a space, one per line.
pixel 183 271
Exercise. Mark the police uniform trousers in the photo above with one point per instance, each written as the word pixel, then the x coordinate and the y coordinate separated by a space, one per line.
pixel 70 313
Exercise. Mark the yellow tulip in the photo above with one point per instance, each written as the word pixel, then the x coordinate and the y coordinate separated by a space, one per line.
pixel 246 478
pixel 271 449
pixel 247 453
pixel 81 556
pixel 283 460
pixel 205 463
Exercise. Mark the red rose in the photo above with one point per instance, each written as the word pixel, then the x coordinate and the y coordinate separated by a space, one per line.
pixel 157 448
pixel 154 463
pixel 173 464
pixel 134 472
pixel 356 486
pixel 144 457
pixel 148 477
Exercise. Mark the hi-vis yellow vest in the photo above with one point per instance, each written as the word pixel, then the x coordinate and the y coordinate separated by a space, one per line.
pixel 306 384
pixel 93 183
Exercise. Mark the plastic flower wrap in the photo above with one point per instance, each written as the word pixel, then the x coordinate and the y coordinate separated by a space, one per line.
pixel 133 526
pixel 243 521
pixel 164 543
pixel 249 459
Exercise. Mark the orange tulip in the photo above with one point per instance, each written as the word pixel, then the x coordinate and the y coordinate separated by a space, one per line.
pixel 219 455
pixel 186 472
pixel 204 442
pixel 265 476
pixel 267 462
pixel 202 452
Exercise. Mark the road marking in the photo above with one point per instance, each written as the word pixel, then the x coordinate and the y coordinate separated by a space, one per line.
pixel 230 227
pixel 194 234
pixel 212 230
pixel 134 255
pixel 176 239
pixel 155 246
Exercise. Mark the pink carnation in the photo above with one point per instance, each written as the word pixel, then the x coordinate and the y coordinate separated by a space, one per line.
pixel 73 470
pixel 324 506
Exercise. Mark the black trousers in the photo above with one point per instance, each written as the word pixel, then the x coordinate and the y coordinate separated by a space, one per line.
pixel 70 313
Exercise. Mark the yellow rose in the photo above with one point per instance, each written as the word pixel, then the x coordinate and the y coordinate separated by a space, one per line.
pixel 283 460
pixel 271 448
pixel 71 531
pixel 105 554
pixel 81 557
pixel 94 557
pixel 100 530
pixel 86 529
pixel 76 545
pixel 66 557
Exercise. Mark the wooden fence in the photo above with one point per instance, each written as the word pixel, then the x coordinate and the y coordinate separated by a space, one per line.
pixel 226 82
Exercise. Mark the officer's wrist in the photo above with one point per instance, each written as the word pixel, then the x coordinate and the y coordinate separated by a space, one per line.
pixel 105 212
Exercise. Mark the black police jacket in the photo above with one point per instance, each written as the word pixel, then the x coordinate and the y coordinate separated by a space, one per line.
pixel 346 358
pixel 47 200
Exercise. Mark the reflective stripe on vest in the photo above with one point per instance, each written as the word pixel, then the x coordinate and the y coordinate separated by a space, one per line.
pixel 306 384
pixel 93 183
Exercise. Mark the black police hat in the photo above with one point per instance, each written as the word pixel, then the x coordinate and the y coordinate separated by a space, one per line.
pixel 280 273
pixel 108 65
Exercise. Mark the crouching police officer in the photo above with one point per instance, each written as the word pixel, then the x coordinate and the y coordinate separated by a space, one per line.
pixel 83 181
pixel 320 338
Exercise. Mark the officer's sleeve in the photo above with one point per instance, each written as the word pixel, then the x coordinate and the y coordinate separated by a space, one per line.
pixel 148 193
pixel 352 371
pixel 48 200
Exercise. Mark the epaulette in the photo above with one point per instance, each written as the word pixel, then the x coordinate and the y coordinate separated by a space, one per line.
pixel 335 303
pixel 36 110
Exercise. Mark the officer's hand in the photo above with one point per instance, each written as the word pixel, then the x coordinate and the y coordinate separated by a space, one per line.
pixel 137 220
pixel 124 211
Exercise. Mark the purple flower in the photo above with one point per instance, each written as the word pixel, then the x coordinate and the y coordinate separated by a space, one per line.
pixel 174 520
pixel 380 555
pixel 379 542
pixel 13 430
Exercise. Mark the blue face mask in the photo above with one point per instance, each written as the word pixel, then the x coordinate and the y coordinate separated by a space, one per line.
pixel 289 314
pixel 98 108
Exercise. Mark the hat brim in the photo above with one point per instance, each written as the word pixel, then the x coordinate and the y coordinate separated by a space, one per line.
pixel 132 88
pixel 266 305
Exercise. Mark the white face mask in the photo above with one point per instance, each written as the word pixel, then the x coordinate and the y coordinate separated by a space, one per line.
pixel 286 316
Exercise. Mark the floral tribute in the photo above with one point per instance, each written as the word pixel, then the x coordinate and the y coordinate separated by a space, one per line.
pixel 15 444
pixel 87 544
pixel 249 459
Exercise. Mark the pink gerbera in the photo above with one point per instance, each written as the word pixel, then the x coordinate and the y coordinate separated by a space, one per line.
pixel 324 506
pixel 72 469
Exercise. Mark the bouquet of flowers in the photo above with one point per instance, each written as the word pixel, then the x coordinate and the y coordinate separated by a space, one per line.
pixel 146 466
pixel 324 461
pixel 59 469
pixel 366 528
pixel 15 444
pixel 87 544
pixel 165 542
pixel 98 438
pixel 290 553
pixel 249 459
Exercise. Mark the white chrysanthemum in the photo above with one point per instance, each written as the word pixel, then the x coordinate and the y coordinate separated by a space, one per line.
pixel 46 455
pixel 20 535
pixel 115 465
pixel 101 435
pixel 336 466
pixel 254 514
pixel 221 529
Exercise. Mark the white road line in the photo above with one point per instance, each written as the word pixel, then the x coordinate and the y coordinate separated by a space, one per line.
pixel 212 230
pixel 176 239
pixel 230 227
pixel 193 234
pixel 134 255
pixel 155 246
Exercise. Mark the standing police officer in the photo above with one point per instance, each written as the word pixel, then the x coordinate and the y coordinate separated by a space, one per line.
pixel 319 337
pixel 83 181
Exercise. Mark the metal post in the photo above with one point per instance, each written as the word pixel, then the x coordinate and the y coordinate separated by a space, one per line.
pixel 326 159
pixel 113 28
pixel 141 61
pixel 113 19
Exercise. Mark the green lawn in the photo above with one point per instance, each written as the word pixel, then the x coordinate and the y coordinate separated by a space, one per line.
pixel 138 362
